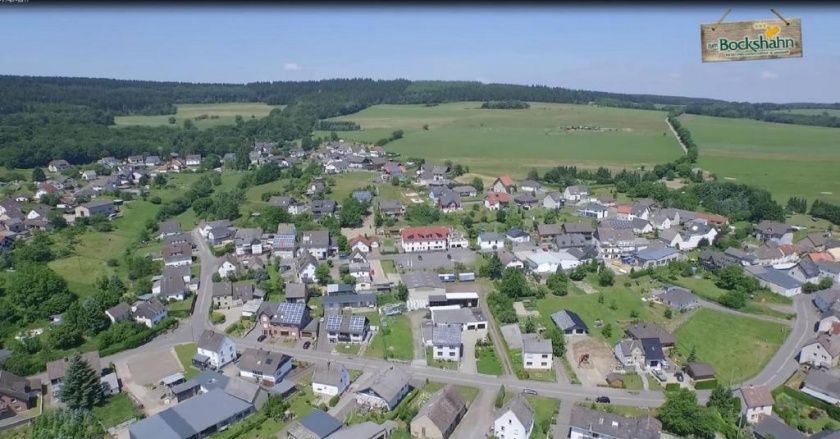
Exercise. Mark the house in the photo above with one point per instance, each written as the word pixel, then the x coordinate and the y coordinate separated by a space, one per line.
pixel 575 193
pixel 177 254
pixel 490 241
pixel 263 365
pixel 318 243
pixel 289 204
pixel 148 313
pixel 362 196
pixel 228 266
pixel 346 328
pixel 584 229
pixel 220 235
pixel 330 380
pixel 677 298
pixel 775 254
pixel 322 208
pixel 152 160
pixel 388 389
pixel 612 243
pixel 776 280
pixel 17 394
pixel 716 260
pixel 814 241
pixel 643 330
pixel 193 160
pixel 547 232
pixel 171 285
pixel 198 417
pixel 517 236
pixel 823 351
pixel 569 322
pixel 363 244
pixel 690 236
pixel 168 228
pixel 530 186
pixel 554 200
pixel 289 320
pixel 421 285
pixel 58 165
pixel 448 201
pixel 456 239
pixel 248 241
pixel 306 266
pixel 537 352
pixel 468 319
pixel 446 342
pixel 756 401
pixel 547 262
pixel 296 293
pixel 316 425
pixel 630 353
pixel 771 427
pixel 656 257
pixel 605 200
pixel 465 191
pixel 654 356
pixel 503 184
pixel 586 423
pixel 823 385
pixel 526 200
pixel 205 227
pixel 88 175
pixel 740 256
pixel 496 200
pixel 283 244
pixel 774 231
pixel 58 368
pixel 418 239
pixel 391 208
pixel 95 207
pixel 593 210
pixel 440 416
pixel 515 420
pixel 119 313
pixel 214 349
pixel 334 303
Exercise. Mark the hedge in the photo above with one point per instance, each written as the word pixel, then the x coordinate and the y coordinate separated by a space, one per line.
pixel 705 385
pixel 833 411
pixel 670 387
pixel 140 338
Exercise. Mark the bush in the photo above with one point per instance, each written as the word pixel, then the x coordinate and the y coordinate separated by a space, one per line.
pixel 139 338
pixel 672 387
pixel 334 401
pixel 217 318
pixel 705 385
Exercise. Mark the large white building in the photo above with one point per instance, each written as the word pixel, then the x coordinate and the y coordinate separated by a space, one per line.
pixel 217 349
pixel 515 420
pixel 422 239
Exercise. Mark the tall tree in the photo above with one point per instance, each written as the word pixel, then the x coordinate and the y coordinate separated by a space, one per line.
pixel 38 175
pixel 81 388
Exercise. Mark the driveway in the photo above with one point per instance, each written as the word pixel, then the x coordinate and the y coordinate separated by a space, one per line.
pixel 479 417
pixel 468 366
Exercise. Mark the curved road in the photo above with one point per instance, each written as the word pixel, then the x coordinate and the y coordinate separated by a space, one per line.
pixel 780 367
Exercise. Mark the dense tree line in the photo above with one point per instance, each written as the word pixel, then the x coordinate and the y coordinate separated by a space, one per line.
pixel 685 137
pixel 505 105
pixel 337 125
pixel 826 211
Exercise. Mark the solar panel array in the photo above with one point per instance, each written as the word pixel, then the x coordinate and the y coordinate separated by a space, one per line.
pixel 357 324
pixel 334 322
pixel 291 312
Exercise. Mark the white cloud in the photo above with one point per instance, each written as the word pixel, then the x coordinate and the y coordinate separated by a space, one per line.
pixel 291 66
pixel 768 75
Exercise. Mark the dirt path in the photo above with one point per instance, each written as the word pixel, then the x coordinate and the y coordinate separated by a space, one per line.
pixel 682 145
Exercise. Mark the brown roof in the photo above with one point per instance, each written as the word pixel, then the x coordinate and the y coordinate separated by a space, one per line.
pixel 650 330
pixel 756 396
pixel 57 368
pixel 700 370
pixel 444 408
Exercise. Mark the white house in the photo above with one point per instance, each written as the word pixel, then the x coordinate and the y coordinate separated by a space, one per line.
pixel 264 366
pixel 546 262
pixel 420 239
pixel 823 351
pixel 554 200
pixel 218 349
pixel 446 342
pixel 148 313
pixel 576 193
pixel 230 265
pixel 537 352
pixel 490 241
pixel 690 237
pixel 757 401
pixel 515 420
pixel 330 380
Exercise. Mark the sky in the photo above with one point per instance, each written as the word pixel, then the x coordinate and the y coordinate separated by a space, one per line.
pixel 644 49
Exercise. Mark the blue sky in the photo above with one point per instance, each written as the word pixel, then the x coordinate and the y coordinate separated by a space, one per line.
pixel 646 49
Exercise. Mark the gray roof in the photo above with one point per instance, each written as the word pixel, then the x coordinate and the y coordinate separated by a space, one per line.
pixel 170 227
pixel 211 340
pixel 319 423
pixel 348 299
pixel 120 311
pixel 446 335
pixel 149 309
pixel 610 425
pixel 295 291
pixel 653 349
pixel 444 408
pixel 771 426
pixel 390 205
pixel 548 229
pixel 222 289
pixel 678 297
pixel 824 382
pixel 459 316
pixel 315 239
pixel 534 344
pixel 775 277
pixel 655 254
pixel 773 228
pixel 262 361
pixel 190 417
pixel 650 330
pixel 329 374
pixel 566 319
pixel 389 384
pixel 422 279
pixel 521 409
pixel 578 228
pixel 365 430
pixel 567 240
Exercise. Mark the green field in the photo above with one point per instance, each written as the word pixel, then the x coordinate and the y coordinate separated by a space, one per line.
pixel 785 159
pixel 737 347
pixel 492 142
pixel 185 353
pixel 398 343
pixel 218 114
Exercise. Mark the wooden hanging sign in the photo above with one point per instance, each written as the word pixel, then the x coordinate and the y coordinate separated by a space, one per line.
pixel 751 40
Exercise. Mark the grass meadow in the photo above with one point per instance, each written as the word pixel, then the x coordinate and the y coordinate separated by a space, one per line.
pixel 492 142
pixel 217 114
pixel 738 347
pixel 786 159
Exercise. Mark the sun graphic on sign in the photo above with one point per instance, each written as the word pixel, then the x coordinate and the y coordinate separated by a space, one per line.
pixel 772 31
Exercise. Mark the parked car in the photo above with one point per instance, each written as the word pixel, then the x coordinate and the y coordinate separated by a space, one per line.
pixel 261 338
pixel 602 400
pixel 306 345
pixel 529 391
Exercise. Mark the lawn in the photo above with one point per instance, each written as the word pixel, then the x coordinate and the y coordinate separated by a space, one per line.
pixel 487 362
pixel 388 266
pixel 116 410
pixel 544 411
pixel 180 309
pixel 632 381
pixel 707 289
pixel 398 343
pixel 622 410
pixel 218 114
pixel 492 142
pixel 786 159
pixel 185 353
pixel 347 182
pixel 737 347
